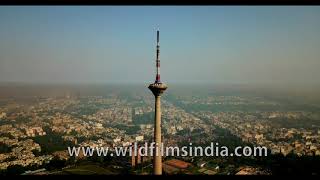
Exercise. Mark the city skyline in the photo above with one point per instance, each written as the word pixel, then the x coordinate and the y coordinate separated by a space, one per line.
pixel 248 45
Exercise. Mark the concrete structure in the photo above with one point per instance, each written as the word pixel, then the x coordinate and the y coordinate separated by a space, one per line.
pixel 139 156
pixel 157 89
pixel 133 160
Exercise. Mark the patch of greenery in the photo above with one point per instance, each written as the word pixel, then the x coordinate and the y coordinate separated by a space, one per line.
pixel 51 142
pixel 4 148
pixel 146 118
pixel 89 169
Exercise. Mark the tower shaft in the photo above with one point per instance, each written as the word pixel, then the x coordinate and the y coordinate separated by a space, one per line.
pixel 157 161
pixel 157 90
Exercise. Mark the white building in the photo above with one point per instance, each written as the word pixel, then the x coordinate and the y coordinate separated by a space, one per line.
pixel 139 138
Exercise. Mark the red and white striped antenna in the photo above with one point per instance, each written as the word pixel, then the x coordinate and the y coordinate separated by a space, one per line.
pixel 158 60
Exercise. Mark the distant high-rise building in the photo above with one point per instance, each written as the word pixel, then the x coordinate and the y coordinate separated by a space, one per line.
pixel 133 160
pixel 139 156
pixel 157 89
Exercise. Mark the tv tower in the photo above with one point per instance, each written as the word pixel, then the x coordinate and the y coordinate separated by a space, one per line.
pixel 157 89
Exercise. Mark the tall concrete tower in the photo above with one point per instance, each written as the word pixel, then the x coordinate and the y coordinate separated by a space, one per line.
pixel 157 89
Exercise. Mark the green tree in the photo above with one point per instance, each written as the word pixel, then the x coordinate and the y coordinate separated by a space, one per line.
pixel 55 163
pixel 15 170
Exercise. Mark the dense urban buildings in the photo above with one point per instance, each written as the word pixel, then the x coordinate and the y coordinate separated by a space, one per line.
pixel 37 130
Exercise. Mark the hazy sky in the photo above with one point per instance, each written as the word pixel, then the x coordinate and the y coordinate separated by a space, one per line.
pixel 197 44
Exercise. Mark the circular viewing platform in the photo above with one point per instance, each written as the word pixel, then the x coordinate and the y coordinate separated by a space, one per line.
pixel 157 88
